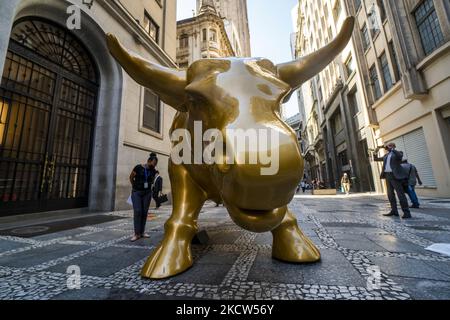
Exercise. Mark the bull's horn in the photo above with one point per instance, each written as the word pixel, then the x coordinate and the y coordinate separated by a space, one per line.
pixel 168 83
pixel 297 72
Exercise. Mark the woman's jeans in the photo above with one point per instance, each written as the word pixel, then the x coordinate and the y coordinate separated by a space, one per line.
pixel 141 203
pixel 413 195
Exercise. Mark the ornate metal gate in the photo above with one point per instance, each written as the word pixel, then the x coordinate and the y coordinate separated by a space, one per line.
pixel 47 114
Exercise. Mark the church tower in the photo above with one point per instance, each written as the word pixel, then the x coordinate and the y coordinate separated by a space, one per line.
pixel 236 15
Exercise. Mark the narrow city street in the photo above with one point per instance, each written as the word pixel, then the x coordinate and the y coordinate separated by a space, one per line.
pixel 364 256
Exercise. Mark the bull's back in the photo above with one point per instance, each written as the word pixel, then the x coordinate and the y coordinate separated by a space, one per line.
pixel 179 122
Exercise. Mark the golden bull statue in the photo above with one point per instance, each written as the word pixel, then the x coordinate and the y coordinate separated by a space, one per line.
pixel 237 93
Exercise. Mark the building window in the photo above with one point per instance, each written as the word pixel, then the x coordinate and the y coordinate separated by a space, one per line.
pixel 213 35
pixel 375 82
pixel 428 25
pixel 373 19
pixel 204 35
pixel 353 103
pixel 387 78
pixel 151 114
pixel 382 9
pixel 357 5
pixel 337 10
pixel 337 123
pixel 365 37
pixel 394 61
pixel 350 66
pixel 343 159
pixel 184 41
pixel 151 27
pixel 330 33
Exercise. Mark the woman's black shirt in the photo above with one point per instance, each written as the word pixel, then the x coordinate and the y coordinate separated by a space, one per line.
pixel 143 175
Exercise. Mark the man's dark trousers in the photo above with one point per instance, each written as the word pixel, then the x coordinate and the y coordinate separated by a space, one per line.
pixel 395 186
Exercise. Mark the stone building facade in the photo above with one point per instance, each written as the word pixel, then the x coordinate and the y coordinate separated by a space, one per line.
pixel 391 84
pixel 338 125
pixel 404 57
pixel 203 37
pixel 235 16
pixel 73 124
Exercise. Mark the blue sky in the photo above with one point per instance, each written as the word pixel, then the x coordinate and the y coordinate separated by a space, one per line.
pixel 270 29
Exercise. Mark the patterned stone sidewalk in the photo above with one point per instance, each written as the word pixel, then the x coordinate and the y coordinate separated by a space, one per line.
pixel 365 256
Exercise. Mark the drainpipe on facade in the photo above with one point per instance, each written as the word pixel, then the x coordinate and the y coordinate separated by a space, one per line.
pixel 163 44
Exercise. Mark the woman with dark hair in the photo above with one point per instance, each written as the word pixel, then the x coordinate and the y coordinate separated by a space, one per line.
pixel 141 179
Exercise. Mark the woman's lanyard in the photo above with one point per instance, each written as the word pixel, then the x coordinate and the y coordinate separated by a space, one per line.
pixel 146 174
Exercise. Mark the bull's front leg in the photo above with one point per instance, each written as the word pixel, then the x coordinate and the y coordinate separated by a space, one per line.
pixel 173 255
pixel 291 245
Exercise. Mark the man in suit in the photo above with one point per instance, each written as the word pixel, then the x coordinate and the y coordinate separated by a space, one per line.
pixel 395 176
pixel 157 189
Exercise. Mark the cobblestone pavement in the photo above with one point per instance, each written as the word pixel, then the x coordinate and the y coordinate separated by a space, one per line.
pixel 364 256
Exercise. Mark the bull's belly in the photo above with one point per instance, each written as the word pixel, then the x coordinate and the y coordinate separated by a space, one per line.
pixel 202 175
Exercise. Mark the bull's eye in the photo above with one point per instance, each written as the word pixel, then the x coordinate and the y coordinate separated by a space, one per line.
pixel 265 89
pixel 190 97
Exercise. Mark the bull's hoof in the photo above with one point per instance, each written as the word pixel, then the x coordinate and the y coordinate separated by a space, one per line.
pixel 291 245
pixel 167 261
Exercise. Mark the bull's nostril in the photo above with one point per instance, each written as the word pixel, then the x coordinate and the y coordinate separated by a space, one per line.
pixel 223 167
pixel 223 161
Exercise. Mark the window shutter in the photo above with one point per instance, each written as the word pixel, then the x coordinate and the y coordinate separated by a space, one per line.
pixel 415 149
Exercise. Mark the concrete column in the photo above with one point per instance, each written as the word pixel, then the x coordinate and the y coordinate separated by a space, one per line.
pixel 331 148
pixel 408 51
pixel 327 165
pixel 7 14
pixel 442 136
pixel 352 141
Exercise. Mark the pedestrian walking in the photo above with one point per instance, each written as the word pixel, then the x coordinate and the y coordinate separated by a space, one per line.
pixel 345 183
pixel 395 177
pixel 413 179
pixel 141 179
pixel 303 185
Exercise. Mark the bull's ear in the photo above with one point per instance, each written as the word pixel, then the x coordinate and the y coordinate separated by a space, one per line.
pixel 168 83
pixel 297 72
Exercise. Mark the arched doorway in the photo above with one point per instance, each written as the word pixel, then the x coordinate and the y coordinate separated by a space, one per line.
pixel 48 98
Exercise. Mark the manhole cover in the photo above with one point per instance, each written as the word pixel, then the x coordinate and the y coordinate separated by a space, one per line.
pixel 58 226
pixel 30 230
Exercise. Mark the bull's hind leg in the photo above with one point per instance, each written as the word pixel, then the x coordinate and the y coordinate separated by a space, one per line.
pixel 291 245
pixel 173 255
